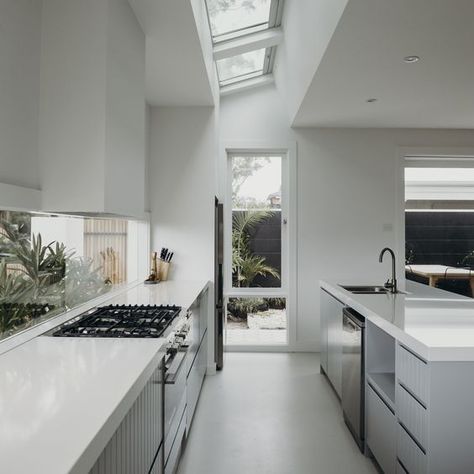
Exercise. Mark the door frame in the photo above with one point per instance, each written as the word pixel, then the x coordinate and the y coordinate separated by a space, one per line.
pixel 288 150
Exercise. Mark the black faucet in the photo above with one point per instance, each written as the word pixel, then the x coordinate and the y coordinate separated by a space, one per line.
pixel 391 284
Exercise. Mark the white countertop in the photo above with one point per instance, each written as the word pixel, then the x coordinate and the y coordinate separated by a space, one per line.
pixel 436 324
pixel 61 399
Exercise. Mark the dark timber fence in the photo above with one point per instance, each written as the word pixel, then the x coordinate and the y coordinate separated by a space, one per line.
pixel 265 241
pixel 442 238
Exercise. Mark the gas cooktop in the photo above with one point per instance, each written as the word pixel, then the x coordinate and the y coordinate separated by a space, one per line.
pixel 121 321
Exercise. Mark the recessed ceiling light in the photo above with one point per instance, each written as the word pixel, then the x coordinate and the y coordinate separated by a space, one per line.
pixel 411 59
pixel 371 100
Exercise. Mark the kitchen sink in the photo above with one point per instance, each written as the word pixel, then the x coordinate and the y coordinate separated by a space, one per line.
pixel 367 289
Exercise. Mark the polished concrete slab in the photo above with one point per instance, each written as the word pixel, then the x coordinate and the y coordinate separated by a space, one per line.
pixel 270 414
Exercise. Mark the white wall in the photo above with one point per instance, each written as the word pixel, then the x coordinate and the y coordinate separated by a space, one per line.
pixel 308 26
pixel 207 47
pixel 346 192
pixel 20 35
pixel 183 186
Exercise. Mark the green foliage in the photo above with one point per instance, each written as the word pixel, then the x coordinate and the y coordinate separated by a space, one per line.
pixel 241 307
pixel 468 260
pixel 251 267
pixel 46 278
pixel 83 282
pixel 245 265
pixel 409 254
pixel 276 303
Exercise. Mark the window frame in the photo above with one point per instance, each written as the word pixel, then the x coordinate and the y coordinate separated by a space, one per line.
pixel 282 290
pixel 267 67
pixel 419 157
pixel 273 147
pixel 274 21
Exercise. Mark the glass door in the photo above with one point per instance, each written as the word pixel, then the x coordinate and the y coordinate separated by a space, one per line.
pixel 256 271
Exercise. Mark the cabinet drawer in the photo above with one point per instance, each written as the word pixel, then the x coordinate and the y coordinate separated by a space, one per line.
pixel 413 415
pixel 409 453
pixel 195 381
pixel 381 431
pixel 413 373
pixel 176 450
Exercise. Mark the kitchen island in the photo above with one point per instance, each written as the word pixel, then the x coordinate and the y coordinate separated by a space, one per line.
pixel 62 399
pixel 418 364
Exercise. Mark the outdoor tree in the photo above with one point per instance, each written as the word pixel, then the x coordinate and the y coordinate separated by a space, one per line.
pixel 218 6
pixel 242 169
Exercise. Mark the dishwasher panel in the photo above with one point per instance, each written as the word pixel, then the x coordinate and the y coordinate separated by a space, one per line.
pixel 353 398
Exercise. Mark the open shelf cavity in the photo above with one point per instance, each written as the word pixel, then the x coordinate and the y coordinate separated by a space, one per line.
pixel 380 363
pixel 384 384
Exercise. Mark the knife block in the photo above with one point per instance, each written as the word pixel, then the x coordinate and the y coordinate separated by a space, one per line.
pixel 163 270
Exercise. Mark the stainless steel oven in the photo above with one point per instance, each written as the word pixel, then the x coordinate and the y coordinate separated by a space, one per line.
pixel 175 398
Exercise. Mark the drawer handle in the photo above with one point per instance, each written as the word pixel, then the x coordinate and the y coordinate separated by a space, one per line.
pixel 380 398
pixel 413 354
pixel 412 395
pixel 402 466
pixel 421 448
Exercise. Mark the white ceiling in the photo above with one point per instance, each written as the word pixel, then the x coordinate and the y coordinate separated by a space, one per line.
pixel 176 73
pixel 364 59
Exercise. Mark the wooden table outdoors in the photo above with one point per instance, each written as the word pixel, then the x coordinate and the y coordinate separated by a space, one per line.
pixel 434 273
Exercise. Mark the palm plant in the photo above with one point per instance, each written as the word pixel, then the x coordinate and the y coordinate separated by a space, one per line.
pixel 245 265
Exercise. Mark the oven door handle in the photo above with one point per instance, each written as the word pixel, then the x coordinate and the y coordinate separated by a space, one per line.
pixel 175 368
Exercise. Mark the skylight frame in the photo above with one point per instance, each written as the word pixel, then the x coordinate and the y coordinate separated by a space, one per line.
pixel 267 67
pixel 274 20
pixel 248 34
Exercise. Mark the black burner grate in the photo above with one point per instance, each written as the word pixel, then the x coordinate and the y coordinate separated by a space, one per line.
pixel 121 321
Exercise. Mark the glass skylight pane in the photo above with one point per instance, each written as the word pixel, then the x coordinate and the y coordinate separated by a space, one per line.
pixel 236 16
pixel 240 67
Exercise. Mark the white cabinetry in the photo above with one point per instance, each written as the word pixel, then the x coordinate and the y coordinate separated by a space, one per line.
pixel 331 339
pixel 136 446
pixel 381 431
pixel 435 431
pixel 92 108
pixel 195 380
pixel 419 416
pixel 198 354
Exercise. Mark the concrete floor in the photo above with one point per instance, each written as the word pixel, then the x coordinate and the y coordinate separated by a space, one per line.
pixel 255 337
pixel 270 414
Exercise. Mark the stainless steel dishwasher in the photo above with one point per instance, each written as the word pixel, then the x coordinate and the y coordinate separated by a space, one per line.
pixel 353 379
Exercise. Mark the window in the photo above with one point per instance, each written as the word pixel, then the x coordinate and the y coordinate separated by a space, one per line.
pixel 439 223
pixel 256 277
pixel 49 264
pixel 232 20
pixel 241 67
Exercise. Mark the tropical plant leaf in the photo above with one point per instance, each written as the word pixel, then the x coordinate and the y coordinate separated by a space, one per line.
pixel 246 266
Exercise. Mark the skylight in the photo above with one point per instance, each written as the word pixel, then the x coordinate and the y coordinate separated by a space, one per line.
pixel 241 67
pixel 232 18
pixel 245 34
